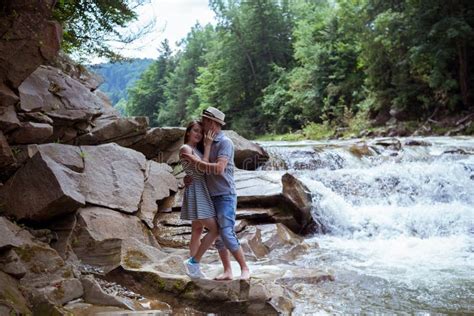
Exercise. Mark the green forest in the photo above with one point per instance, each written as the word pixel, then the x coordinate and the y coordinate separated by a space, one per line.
pixel 119 77
pixel 313 67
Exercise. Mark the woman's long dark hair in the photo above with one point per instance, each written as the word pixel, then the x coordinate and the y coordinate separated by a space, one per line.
pixel 200 145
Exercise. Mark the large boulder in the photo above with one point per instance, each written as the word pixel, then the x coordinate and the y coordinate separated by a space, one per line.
pixel 43 273
pixel 29 38
pixel 114 130
pixel 159 184
pixel 248 155
pixel 30 132
pixel 113 177
pixel 98 237
pixel 161 144
pixel 64 99
pixel 150 271
pixel 43 188
pixel 286 199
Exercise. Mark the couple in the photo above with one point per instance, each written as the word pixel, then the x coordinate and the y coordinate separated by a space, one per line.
pixel 210 198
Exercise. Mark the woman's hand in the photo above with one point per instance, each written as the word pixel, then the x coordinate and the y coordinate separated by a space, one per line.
pixel 209 138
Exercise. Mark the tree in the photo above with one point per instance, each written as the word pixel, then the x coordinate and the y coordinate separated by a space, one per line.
pixel 253 36
pixel 90 25
pixel 147 96
pixel 183 100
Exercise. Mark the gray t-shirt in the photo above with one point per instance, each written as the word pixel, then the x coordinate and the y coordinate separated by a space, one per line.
pixel 222 184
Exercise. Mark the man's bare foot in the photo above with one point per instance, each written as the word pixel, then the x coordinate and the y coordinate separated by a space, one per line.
pixel 224 276
pixel 245 275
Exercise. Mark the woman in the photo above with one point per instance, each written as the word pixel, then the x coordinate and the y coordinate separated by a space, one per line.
pixel 197 204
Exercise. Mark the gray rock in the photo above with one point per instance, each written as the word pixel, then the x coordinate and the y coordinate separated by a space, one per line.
pixel 11 235
pixel 7 96
pixel 8 119
pixel 38 117
pixel 94 294
pixel 52 189
pixel 248 155
pixel 158 184
pixel 300 196
pixel 57 94
pixel 12 301
pixel 286 199
pixel 111 130
pixel 113 177
pixel 66 155
pixel 30 38
pixel 161 144
pixel 10 263
pixel 99 235
pixel 6 154
pixel 31 133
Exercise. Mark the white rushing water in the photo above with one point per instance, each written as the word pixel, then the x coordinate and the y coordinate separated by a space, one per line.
pixel 400 221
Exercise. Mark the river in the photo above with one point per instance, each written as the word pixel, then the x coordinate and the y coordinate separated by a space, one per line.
pixel 400 220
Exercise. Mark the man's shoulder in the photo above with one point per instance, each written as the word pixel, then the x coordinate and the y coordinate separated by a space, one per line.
pixel 226 140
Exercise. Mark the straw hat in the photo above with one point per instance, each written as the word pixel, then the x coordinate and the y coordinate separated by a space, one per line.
pixel 214 114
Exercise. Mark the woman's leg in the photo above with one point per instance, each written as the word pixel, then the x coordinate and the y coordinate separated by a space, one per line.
pixel 196 231
pixel 206 242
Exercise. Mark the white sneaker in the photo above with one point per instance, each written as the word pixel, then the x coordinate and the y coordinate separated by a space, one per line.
pixel 193 270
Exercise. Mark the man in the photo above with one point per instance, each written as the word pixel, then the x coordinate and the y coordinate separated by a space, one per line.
pixel 220 181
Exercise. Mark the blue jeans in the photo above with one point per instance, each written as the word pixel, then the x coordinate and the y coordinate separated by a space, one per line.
pixel 225 206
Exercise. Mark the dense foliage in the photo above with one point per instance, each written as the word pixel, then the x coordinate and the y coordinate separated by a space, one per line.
pixel 280 66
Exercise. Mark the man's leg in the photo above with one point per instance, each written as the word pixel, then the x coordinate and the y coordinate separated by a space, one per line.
pixel 226 206
pixel 225 259
pixel 244 269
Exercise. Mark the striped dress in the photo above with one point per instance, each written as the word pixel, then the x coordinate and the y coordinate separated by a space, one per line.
pixel 197 203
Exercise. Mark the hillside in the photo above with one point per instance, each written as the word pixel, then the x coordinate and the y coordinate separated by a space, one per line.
pixel 118 77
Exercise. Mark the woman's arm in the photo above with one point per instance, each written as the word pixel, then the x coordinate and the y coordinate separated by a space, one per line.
pixel 208 167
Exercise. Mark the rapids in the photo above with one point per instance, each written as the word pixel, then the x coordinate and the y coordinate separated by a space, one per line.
pixel 400 219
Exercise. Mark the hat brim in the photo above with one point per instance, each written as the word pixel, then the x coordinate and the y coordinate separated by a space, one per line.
pixel 214 119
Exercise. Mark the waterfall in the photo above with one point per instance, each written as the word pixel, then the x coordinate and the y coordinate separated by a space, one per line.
pixel 400 210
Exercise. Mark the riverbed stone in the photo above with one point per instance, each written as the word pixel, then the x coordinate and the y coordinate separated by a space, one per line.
pixel 286 198
pixel 149 271
pixel 94 294
pixel 171 231
pixel 12 301
pixel 100 233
